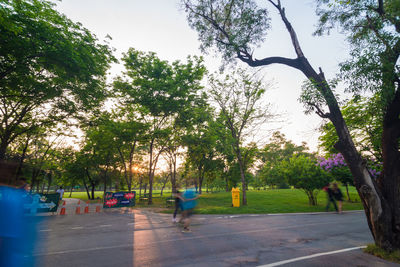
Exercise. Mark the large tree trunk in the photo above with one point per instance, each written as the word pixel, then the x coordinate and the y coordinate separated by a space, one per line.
pixel 242 175
pixel 3 147
pixel 22 158
pixel 86 187
pixel 200 178
pixel 93 188
pixel 151 173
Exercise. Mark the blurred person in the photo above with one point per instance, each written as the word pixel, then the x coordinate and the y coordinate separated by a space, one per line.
pixel 178 203
pixel 330 197
pixel 61 192
pixel 189 202
pixel 337 193
pixel 17 231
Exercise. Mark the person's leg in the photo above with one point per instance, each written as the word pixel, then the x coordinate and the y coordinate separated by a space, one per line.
pixel 328 204
pixel 175 212
pixel 188 220
pixel 340 203
pixel 334 204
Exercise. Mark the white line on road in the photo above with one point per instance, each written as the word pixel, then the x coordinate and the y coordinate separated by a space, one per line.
pixel 45 230
pixel 309 257
pixel 105 225
pixel 77 228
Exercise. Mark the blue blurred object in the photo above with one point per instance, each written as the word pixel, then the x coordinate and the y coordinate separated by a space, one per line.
pixel 189 204
pixel 17 231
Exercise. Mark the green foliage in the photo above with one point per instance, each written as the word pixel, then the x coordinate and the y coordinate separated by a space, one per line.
pixel 363 117
pixel 303 172
pixel 277 150
pixel 162 88
pixel 238 96
pixel 230 26
pixel 163 95
pixel 373 33
pixel 50 68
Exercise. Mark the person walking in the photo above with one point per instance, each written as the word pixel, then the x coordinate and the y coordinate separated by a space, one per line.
pixel 330 197
pixel 189 198
pixel 61 192
pixel 337 193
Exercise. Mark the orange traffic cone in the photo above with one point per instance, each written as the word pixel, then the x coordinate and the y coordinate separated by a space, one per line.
pixel 62 212
pixel 78 208
pixel 98 207
pixel 87 207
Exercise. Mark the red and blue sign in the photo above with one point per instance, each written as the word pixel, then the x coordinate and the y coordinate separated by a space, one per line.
pixel 119 199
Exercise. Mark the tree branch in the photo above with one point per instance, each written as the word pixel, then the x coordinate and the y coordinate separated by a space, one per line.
pixel 319 111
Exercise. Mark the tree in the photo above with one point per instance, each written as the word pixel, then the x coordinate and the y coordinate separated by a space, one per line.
pixel 162 91
pixel 302 172
pixel 100 141
pixel 128 137
pixel 277 150
pixel 238 97
pixel 50 68
pixel 201 142
pixel 373 28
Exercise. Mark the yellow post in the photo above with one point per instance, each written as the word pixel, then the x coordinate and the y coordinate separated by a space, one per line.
pixel 235 197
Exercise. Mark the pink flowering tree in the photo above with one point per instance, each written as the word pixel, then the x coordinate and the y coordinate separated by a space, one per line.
pixel 337 167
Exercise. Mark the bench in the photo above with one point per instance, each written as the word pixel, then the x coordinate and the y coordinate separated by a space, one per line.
pixel 145 197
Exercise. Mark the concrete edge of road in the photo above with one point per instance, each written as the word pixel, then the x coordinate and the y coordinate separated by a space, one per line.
pixel 278 214
pixel 315 213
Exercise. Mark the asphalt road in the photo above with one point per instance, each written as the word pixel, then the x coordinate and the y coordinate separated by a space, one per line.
pixel 123 237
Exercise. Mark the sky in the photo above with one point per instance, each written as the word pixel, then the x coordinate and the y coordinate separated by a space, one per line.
pixel 160 26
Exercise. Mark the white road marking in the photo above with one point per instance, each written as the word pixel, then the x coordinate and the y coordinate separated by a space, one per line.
pixel 77 228
pixel 45 230
pixel 309 257
pixel 105 225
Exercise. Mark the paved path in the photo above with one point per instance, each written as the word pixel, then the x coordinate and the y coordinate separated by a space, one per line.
pixel 122 237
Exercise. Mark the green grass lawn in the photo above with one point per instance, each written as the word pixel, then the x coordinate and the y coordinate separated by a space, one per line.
pixel 269 201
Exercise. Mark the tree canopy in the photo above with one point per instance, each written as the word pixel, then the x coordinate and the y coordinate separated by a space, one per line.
pixel 50 68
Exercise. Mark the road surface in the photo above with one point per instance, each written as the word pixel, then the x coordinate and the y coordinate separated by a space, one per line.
pixel 125 237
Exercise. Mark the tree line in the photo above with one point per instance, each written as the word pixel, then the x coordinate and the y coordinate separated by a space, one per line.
pixel 53 79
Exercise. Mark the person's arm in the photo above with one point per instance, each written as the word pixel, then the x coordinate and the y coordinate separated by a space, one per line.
pixel 194 198
pixel 180 197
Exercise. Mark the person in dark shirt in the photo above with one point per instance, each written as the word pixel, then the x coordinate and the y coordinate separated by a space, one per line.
pixel 337 194
pixel 330 197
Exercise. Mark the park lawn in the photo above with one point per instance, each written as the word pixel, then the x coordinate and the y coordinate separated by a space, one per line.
pixel 269 201
pixel 258 202
pixel 83 195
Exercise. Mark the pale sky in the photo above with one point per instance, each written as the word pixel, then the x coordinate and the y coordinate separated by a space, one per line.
pixel 159 26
